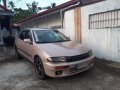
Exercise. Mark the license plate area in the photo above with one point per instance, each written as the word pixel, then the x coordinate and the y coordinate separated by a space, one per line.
pixel 81 65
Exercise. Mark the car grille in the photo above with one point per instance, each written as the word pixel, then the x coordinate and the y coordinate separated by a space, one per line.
pixel 74 70
pixel 78 57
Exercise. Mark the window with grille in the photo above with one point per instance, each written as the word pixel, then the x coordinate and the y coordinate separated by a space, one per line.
pixel 109 19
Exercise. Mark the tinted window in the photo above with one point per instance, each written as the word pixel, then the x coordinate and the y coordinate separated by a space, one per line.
pixel 22 35
pixel 26 34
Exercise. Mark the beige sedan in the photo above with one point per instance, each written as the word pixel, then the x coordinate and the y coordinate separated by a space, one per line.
pixel 52 53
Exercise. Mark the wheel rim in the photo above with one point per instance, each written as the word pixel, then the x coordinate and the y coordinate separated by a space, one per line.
pixel 38 67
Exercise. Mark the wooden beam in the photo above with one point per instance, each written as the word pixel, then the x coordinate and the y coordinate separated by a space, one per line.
pixel 78 25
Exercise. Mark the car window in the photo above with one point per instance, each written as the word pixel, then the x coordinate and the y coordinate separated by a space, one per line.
pixel 28 35
pixel 22 35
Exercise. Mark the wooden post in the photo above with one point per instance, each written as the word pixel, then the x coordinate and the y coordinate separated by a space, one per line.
pixel 77 15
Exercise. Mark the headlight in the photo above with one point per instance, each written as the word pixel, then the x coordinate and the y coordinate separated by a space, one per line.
pixel 90 53
pixel 56 59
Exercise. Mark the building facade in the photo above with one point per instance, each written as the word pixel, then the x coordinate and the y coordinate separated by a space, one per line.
pixel 5 16
pixel 101 29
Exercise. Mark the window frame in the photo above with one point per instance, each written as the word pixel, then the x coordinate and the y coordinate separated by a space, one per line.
pixel 25 33
pixel 110 19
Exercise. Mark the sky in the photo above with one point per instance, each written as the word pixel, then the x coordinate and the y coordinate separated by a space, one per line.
pixel 41 3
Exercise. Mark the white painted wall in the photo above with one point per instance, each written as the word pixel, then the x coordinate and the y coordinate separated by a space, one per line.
pixel 69 24
pixel 105 43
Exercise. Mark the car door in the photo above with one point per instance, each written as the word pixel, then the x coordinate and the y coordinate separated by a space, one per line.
pixel 28 47
pixel 20 42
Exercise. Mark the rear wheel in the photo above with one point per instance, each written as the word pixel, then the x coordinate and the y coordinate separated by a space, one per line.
pixel 39 69
pixel 17 53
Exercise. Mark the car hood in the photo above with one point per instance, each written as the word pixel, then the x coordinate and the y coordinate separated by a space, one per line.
pixel 63 49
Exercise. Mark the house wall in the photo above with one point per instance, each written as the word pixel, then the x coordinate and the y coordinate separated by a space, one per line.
pixel 77 18
pixel 105 43
pixel 72 24
pixel 69 24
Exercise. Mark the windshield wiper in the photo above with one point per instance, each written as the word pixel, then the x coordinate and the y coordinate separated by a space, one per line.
pixel 53 41
pixel 44 42
pixel 62 40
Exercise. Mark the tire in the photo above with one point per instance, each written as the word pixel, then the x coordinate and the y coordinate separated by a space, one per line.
pixel 39 69
pixel 17 53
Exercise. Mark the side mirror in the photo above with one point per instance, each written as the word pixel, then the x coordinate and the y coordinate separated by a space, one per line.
pixel 28 41
pixel 68 38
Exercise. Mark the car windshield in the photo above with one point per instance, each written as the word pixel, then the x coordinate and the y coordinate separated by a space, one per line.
pixel 49 36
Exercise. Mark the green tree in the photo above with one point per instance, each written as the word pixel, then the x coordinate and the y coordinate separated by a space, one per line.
pixel 33 7
pixel 21 14
pixel 11 5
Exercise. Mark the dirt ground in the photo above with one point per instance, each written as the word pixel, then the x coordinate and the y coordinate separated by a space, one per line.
pixel 19 75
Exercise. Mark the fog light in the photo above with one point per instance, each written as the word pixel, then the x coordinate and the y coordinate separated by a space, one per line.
pixel 58 72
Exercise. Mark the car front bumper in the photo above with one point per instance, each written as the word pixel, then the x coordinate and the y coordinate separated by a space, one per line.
pixel 71 67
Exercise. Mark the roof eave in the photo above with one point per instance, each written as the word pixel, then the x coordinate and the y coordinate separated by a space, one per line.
pixel 57 8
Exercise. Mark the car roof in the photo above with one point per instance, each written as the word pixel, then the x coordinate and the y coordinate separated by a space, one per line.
pixel 40 29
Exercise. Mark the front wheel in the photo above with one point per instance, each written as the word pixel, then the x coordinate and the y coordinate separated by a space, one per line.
pixel 39 69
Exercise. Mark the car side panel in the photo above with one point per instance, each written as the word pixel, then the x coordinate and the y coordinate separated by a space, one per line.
pixel 20 44
pixel 29 51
